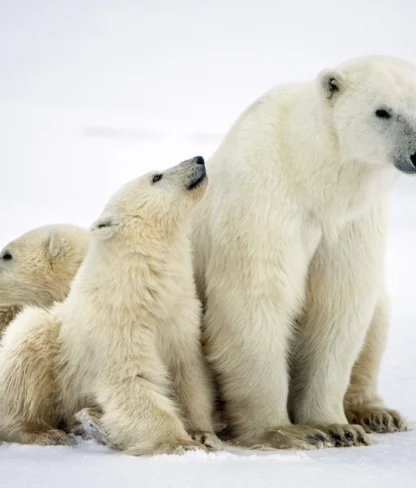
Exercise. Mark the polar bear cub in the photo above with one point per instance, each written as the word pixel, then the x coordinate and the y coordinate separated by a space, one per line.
pixel 127 338
pixel 37 268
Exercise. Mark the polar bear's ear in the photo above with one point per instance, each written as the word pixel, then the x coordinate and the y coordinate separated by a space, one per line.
pixel 55 244
pixel 105 227
pixel 332 83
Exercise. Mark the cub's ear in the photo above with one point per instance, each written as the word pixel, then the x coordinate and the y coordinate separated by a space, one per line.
pixel 105 227
pixel 331 83
pixel 56 245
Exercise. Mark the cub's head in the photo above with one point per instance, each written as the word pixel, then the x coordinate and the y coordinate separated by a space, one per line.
pixel 152 208
pixel 37 268
pixel 370 103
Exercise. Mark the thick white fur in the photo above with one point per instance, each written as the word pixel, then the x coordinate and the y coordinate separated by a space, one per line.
pixel 126 340
pixel 44 262
pixel 289 247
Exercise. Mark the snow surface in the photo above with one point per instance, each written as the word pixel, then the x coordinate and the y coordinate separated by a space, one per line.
pixel 93 93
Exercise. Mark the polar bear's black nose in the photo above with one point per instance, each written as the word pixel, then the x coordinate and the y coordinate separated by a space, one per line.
pixel 199 160
pixel 413 159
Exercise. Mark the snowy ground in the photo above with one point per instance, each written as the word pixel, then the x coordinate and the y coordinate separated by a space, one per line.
pixel 94 93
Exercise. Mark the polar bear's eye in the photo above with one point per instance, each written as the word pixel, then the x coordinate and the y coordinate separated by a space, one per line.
pixel 7 256
pixel 156 178
pixel 382 114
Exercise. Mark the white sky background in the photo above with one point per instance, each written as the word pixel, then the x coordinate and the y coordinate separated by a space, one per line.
pixel 93 93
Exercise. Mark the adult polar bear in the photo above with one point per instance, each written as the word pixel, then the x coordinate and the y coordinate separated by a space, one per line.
pixel 292 230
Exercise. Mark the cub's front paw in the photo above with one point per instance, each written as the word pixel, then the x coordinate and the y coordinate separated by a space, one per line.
pixel 377 420
pixel 177 447
pixel 207 439
pixel 87 425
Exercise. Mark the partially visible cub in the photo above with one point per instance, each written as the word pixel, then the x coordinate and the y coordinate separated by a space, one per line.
pixel 127 338
pixel 37 268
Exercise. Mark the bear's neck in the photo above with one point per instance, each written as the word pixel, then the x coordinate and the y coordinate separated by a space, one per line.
pixel 133 284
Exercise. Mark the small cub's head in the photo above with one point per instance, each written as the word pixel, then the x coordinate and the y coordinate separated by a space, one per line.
pixel 38 267
pixel 152 208
pixel 370 103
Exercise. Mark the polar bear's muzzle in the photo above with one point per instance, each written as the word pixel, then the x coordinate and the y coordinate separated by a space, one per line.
pixel 406 165
pixel 197 173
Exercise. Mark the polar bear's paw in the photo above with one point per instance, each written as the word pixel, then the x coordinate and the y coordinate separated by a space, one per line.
pixel 175 447
pixel 48 437
pixel 87 425
pixel 301 437
pixel 377 420
pixel 208 439
pixel 345 435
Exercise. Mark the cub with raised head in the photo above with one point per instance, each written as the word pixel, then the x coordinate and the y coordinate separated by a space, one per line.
pixel 127 338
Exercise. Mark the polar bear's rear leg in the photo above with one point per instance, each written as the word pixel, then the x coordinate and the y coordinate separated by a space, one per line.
pixel 29 388
pixel 362 403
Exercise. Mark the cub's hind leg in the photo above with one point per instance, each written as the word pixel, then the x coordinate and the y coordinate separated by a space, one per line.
pixel 30 407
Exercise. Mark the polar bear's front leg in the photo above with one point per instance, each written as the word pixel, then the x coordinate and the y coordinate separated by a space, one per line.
pixel 140 419
pixel 251 303
pixel 345 283
pixel 362 403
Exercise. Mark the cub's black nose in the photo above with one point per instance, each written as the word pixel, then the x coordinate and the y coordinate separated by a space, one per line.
pixel 199 160
pixel 413 159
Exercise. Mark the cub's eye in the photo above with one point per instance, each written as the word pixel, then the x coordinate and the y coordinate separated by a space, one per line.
pixel 156 178
pixel 7 256
pixel 382 114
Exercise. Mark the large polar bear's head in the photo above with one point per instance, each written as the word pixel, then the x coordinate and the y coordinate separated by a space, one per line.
pixel 153 208
pixel 370 104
